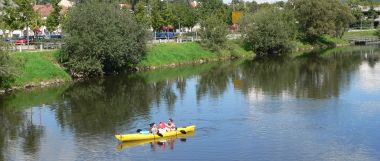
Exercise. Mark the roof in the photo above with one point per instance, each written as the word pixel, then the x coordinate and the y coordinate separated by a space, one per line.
pixel 125 6
pixel 65 3
pixel 43 10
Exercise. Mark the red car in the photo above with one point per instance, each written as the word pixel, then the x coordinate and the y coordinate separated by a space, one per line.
pixel 23 41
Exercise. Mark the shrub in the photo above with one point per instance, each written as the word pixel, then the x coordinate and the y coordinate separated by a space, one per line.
pixel 5 69
pixel 213 32
pixel 320 17
pixel 271 31
pixel 101 38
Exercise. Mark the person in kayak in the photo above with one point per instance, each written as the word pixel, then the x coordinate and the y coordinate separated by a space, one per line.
pixel 162 127
pixel 171 125
pixel 153 128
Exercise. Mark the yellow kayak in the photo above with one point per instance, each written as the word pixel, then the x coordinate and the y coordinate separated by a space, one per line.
pixel 129 144
pixel 134 137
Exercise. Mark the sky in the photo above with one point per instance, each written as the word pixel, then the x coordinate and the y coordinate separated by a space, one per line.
pixel 258 1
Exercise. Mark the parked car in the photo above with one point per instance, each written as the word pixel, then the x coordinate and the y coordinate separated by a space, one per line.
pixel 21 41
pixel 10 40
pixel 24 40
pixel 56 36
pixel 165 35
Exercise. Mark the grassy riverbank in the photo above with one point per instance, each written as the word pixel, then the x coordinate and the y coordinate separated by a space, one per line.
pixel 360 33
pixel 37 68
pixel 171 54
pixel 323 42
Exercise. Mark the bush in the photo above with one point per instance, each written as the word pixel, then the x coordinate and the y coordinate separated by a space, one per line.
pixel 5 69
pixel 321 17
pixel 213 32
pixel 271 31
pixel 101 38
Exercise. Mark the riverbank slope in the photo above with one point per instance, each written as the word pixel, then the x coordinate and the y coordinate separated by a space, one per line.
pixel 174 54
pixel 34 69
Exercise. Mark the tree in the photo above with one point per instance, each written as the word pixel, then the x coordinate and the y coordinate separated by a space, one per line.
pixel 185 15
pixel 19 14
pixel 372 14
pixel 141 14
pixel 343 19
pixel 168 15
pixel 270 31
pixel 53 19
pixel 213 32
pixel 101 38
pixel 251 7
pixel 157 19
pixel 10 16
pixel 212 7
pixel 319 17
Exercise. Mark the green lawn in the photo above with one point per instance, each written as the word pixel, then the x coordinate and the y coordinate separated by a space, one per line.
pixel 182 53
pixel 359 34
pixel 34 67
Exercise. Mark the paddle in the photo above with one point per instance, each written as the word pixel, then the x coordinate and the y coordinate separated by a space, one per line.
pixel 183 139
pixel 159 134
pixel 138 130
pixel 183 131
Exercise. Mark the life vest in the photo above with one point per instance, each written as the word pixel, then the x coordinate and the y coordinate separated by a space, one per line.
pixel 162 125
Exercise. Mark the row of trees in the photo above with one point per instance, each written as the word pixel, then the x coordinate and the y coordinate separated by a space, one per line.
pixel 18 14
pixel 273 29
pixel 101 38
pixel 158 13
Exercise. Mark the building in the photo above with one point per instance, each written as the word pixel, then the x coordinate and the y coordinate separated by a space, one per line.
pixel 43 10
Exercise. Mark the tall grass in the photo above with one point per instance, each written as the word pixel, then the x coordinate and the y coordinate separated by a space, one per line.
pixel 35 67
pixel 182 53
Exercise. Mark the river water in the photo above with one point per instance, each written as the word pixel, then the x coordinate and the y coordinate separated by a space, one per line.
pixel 323 106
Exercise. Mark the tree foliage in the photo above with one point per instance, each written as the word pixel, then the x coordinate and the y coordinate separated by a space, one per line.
pixel 157 19
pixel 53 20
pixel 270 31
pixel 318 17
pixel 141 14
pixel 212 7
pixel 101 38
pixel 18 14
pixel 213 32
pixel 5 69
pixel 185 15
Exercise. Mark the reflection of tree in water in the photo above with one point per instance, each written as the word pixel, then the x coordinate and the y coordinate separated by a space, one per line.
pixel 99 105
pixel 31 135
pixel 181 86
pixel 16 124
pixel 311 76
pixel 215 81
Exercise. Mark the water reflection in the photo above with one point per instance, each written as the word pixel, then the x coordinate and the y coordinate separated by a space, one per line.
pixel 99 105
pixel 100 108
pixel 155 144
pixel 313 76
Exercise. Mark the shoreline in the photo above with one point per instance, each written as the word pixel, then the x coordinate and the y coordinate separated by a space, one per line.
pixel 214 57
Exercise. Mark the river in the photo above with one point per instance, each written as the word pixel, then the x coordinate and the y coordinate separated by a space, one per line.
pixel 323 106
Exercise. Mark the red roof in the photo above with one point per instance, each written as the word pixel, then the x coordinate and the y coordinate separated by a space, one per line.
pixel 43 10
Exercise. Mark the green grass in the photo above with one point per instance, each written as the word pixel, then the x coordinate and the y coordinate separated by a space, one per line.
pixel 330 41
pixel 185 53
pixel 323 42
pixel 359 34
pixel 34 67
